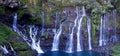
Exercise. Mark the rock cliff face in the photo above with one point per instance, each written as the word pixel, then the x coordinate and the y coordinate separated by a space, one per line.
pixel 11 3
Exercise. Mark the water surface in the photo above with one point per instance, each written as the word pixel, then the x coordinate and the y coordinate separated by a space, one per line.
pixel 83 53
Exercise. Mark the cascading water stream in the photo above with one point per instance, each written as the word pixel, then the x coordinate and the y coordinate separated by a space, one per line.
pixel 101 29
pixel 105 27
pixel 4 49
pixel 89 33
pixel 15 22
pixel 35 45
pixel 34 3
pixel 13 51
pixel 69 47
pixel 55 44
pixel 7 51
pixel 108 23
pixel 79 47
pixel 33 41
pixel 114 39
pixel 69 44
pixel 43 19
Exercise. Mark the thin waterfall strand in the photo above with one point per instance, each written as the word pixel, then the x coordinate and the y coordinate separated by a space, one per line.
pixel 15 22
pixel 100 38
pixel 55 45
pixel 43 20
pixel 4 49
pixel 34 44
pixel 89 33
pixel 79 47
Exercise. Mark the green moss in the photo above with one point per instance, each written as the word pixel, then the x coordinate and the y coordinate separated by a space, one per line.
pixel 25 53
pixel 6 33
pixel 20 45
pixel 48 20
pixel 95 23
pixel 24 1
pixel 116 50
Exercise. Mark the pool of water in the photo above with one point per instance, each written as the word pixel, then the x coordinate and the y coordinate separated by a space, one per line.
pixel 83 53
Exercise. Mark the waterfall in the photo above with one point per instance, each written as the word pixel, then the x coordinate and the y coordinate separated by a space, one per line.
pixel 103 30
pixel 105 27
pixel 15 22
pixel 43 19
pixel 69 47
pixel 100 40
pixel 14 53
pixel 8 52
pixel 69 44
pixel 34 3
pixel 33 36
pixel 114 37
pixel 108 23
pixel 89 33
pixel 79 47
pixel 78 24
pixel 32 39
pixel 55 44
pixel 4 49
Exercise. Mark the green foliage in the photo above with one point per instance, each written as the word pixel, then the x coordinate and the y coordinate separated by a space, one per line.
pixel 95 22
pixel 30 9
pixel 2 10
pixel 6 33
pixel 24 1
pixel 48 19
pixel 116 50
pixel 20 45
pixel 21 12
pixel 117 5
pixel 25 53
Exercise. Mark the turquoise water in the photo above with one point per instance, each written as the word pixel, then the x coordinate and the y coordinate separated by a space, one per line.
pixel 83 53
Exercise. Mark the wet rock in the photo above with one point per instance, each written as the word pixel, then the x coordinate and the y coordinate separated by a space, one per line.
pixel 10 3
